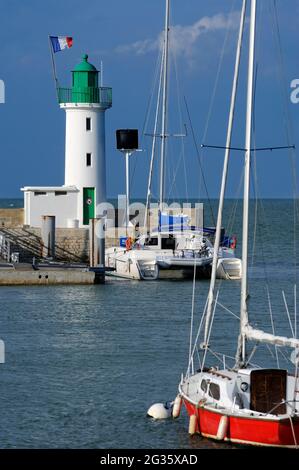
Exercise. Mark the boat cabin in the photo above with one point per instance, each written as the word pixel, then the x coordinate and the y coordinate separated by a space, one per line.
pixel 175 241
pixel 259 390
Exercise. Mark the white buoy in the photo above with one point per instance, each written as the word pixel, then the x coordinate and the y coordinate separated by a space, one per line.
pixel 192 425
pixel 177 406
pixel 159 411
pixel 222 428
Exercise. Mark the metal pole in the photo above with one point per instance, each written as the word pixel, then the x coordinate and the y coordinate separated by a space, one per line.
pixel 224 173
pixel 244 284
pixel 53 66
pixel 127 155
pixel 164 106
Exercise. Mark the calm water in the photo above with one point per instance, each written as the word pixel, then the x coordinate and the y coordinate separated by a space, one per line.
pixel 83 364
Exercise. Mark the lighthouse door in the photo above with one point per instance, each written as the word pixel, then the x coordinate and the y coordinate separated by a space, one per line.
pixel 88 205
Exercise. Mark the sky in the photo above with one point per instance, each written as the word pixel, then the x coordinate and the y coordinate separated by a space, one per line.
pixel 125 36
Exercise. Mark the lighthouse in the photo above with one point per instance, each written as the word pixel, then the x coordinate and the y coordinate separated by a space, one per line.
pixel 85 161
pixel 76 202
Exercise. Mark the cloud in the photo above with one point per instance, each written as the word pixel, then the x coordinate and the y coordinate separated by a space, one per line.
pixel 183 39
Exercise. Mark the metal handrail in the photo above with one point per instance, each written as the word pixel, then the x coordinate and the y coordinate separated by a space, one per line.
pixel 33 246
pixel 5 249
pixel 100 95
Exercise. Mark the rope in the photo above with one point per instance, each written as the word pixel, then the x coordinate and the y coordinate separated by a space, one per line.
pixel 181 123
pixel 148 111
pixel 293 431
pixel 209 335
pixel 200 162
pixel 272 323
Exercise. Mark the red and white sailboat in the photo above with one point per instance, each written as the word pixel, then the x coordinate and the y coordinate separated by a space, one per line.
pixel 242 404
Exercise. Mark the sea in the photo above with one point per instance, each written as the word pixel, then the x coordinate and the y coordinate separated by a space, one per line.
pixel 84 363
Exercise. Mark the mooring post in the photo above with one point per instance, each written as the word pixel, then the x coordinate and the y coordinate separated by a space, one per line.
pixel 48 236
pixel 97 242
pixel 93 255
pixel 100 233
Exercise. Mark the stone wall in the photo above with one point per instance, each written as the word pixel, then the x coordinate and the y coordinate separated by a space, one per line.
pixel 73 241
pixel 11 217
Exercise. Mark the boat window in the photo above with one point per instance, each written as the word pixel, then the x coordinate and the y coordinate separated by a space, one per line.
pixel 153 241
pixel 168 243
pixel 214 391
pixel 204 385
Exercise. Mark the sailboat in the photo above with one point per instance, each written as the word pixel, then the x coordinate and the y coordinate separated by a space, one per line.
pixel 245 404
pixel 171 251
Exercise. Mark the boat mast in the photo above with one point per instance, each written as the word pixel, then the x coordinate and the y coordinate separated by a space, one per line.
pixel 224 176
pixel 164 106
pixel 241 351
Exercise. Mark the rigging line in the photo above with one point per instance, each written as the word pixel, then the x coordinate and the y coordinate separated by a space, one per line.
pixel 181 121
pixel 261 235
pixel 254 349
pixel 200 162
pixel 295 310
pixel 286 358
pixel 147 113
pixel 218 356
pixel 153 150
pixel 296 379
pixel 233 211
pixel 199 331
pixel 211 106
pixel 228 310
pixel 269 349
pixel 210 331
pixel 288 313
pixel 173 182
pixel 272 323
pixel 217 77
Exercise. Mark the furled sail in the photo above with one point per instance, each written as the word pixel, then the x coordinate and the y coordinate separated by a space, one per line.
pixel 259 335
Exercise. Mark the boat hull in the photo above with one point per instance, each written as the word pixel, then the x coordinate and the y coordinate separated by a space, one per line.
pixel 246 430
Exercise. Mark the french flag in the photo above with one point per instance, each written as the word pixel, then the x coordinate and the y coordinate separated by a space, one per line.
pixel 61 42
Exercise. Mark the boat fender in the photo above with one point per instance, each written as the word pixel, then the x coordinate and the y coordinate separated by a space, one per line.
pixel 128 243
pixel 176 410
pixel 233 242
pixel 160 411
pixel 222 428
pixel 192 425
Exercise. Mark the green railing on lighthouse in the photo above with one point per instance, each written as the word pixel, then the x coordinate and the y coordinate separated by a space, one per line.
pixel 98 95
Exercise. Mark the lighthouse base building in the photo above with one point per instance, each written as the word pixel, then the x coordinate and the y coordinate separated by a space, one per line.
pixel 75 203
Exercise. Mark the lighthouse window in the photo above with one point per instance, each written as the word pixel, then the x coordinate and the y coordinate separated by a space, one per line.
pixel 88 159
pixel 88 124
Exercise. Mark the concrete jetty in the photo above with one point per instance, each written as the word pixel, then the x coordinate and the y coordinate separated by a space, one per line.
pixel 22 274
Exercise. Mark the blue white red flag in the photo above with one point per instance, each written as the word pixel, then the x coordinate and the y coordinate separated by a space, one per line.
pixel 61 42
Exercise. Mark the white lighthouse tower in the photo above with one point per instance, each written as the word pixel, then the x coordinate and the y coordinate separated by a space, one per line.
pixel 85 162
pixel 75 203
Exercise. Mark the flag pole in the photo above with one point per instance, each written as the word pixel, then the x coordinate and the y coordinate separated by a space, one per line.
pixel 53 65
